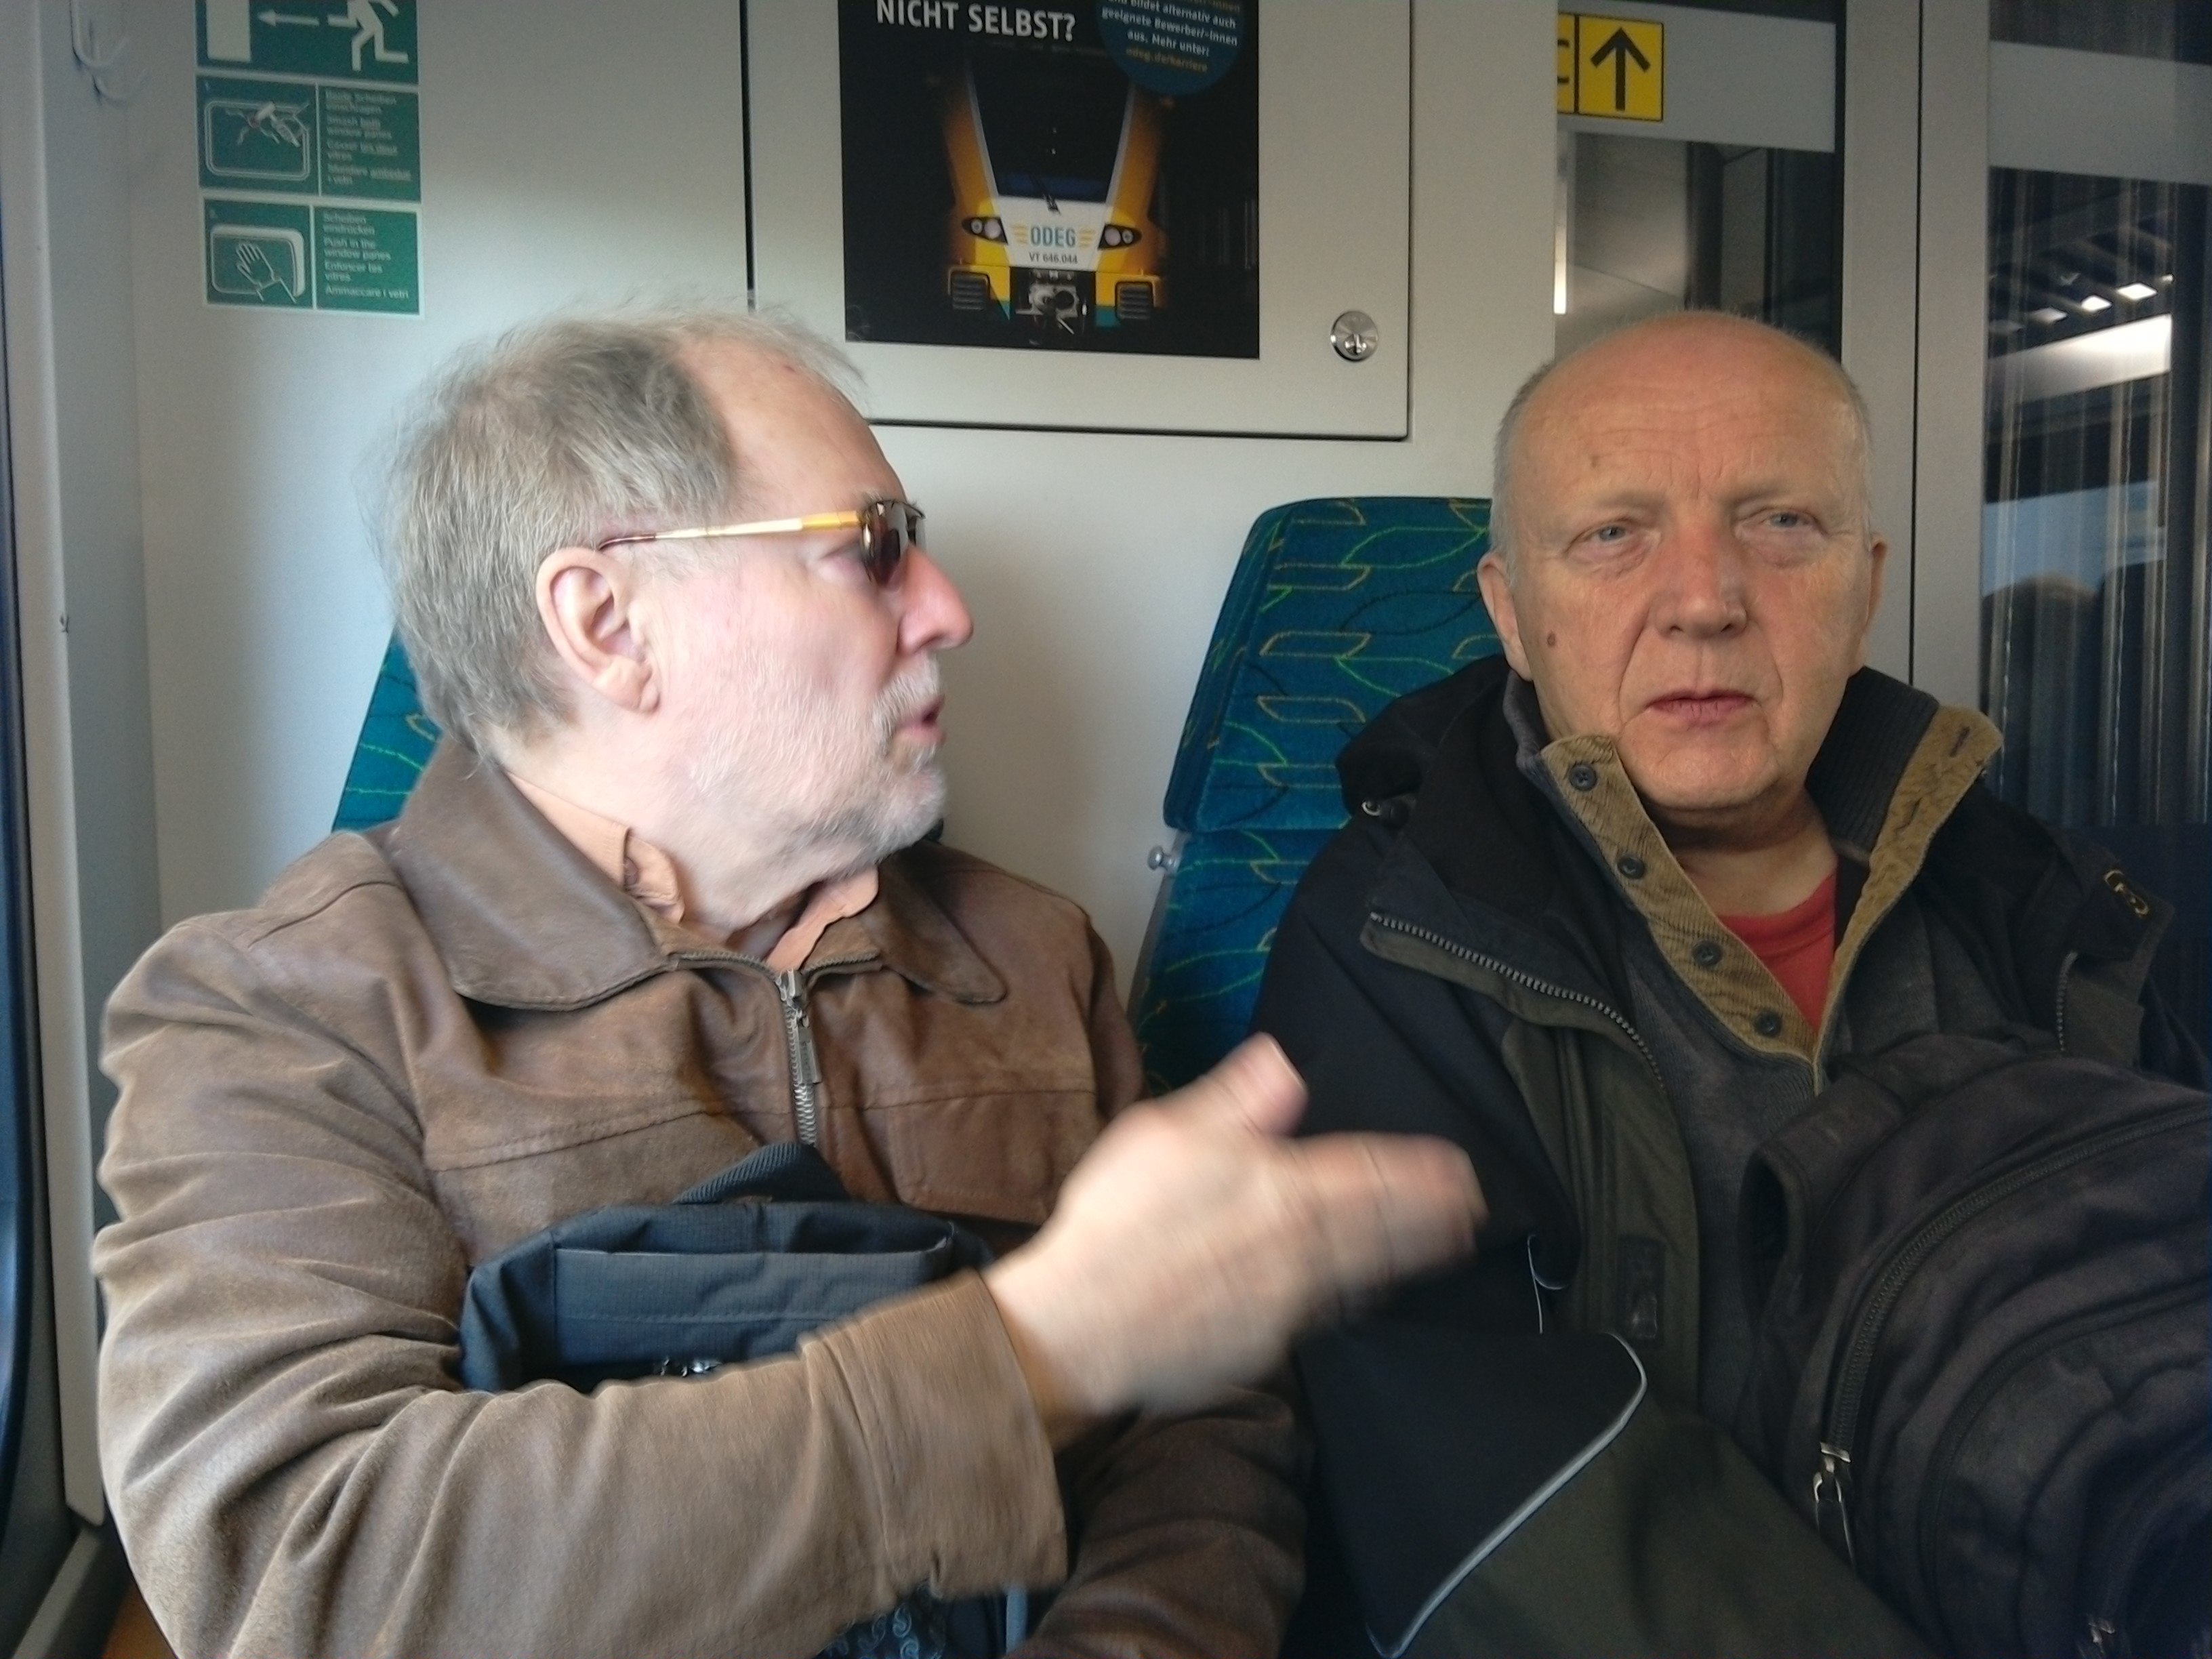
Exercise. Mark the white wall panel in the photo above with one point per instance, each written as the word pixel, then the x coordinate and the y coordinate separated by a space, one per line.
pixel 576 152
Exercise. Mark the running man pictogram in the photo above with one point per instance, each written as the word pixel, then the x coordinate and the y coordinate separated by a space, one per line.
pixel 366 18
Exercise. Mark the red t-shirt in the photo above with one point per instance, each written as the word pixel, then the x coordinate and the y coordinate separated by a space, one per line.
pixel 1798 947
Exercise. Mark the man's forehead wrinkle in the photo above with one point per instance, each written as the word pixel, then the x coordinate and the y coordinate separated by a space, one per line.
pixel 1748 432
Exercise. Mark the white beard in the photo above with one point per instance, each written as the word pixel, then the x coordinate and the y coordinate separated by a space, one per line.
pixel 838 800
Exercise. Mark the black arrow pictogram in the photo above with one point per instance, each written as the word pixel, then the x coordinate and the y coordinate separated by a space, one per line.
pixel 1619 47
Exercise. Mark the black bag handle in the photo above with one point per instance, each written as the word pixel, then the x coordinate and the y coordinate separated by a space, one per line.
pixel 784 1171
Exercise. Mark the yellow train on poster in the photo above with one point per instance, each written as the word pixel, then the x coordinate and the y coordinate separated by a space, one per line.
pixel 1054 159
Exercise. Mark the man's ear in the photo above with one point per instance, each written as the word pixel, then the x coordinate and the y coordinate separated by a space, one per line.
pixel 1878 550
pixel 1498 598
pixel 586 600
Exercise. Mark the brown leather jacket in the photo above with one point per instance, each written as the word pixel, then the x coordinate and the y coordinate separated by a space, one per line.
pixel 434 1040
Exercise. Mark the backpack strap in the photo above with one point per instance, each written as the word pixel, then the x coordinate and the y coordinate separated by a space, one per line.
pixel 1934 1066
pixel 783 1171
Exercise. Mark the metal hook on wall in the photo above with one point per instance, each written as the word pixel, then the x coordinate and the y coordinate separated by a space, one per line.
pixel 100 63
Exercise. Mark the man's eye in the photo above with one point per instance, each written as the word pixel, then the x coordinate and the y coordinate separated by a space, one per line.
pixel 1607 533
pixel 1787 518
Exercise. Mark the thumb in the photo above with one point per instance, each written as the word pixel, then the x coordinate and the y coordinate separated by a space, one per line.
pixel 1254 1088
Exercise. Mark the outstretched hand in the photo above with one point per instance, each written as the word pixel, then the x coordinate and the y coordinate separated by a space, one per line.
pixel 1194 1241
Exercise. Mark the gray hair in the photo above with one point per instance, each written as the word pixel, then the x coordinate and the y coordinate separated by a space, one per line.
pixel 558 434
pixel 1508 424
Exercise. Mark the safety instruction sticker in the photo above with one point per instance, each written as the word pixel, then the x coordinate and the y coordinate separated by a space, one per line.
pixel 365 260
pixel 318 141
pixel 1613 67
pixel 258 253
pixel 310 103
pixel 371 143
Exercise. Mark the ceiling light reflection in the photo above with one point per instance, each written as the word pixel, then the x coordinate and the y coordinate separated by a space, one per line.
pixel 2106 356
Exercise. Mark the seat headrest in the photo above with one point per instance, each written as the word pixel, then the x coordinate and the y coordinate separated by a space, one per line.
pixel 1337 607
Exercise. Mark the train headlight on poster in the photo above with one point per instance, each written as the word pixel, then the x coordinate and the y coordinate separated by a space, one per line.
pixel 992 229
pixel 1120 236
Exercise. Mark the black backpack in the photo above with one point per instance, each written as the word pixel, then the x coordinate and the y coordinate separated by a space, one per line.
pixel 738 1267
pixel 1980 1270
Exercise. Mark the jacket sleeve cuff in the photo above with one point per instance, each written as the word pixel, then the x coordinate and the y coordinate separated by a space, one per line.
pixel 966 1489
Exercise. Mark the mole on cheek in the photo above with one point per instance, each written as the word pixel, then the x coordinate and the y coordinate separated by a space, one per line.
pixel 1550 638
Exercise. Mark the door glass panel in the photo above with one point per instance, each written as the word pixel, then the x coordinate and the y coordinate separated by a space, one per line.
pixel 1730 203
pixel 2097 416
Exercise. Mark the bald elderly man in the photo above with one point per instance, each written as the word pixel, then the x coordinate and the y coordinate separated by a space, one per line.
pixel 1610 908
pixel 663 896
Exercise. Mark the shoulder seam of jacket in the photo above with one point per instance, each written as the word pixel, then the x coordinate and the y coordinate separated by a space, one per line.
pixel 269 926
pixel 254 924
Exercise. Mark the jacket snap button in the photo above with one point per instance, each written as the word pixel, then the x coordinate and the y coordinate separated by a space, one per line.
pixel 1706 953
pixel 1582 775
pixel 1630 866
pixel 1767 1023
pixel 2119 883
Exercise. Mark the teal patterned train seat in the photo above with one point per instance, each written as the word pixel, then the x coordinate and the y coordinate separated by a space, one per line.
pixel 1336 607
pixel 395 740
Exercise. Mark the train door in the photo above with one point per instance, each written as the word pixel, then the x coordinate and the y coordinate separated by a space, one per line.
pixel 2065 181
pixel 1997 214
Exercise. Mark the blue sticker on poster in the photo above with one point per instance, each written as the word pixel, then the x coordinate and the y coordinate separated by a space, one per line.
pixel 1173 46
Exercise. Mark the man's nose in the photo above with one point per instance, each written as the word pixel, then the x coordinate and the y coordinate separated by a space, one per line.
pixel 933 616
pixel 1701 574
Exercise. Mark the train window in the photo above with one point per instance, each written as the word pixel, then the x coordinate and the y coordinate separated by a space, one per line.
pixel 1723 194
pixel 1051 129
pixel 2097 489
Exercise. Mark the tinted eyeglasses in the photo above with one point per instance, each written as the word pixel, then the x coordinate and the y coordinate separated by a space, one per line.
pixel 887 529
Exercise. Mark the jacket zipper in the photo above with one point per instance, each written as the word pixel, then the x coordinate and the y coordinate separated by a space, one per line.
pixel 1831 1481
pixel 2065 973
pixel 1526 982
pixel 804 1059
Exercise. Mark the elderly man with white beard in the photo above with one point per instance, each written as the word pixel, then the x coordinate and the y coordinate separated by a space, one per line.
pixel 660 897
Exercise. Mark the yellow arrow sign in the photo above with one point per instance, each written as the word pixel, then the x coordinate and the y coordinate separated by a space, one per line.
pixel 1614 67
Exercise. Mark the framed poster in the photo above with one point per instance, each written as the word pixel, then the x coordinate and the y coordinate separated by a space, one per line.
pixel 1084 180
pixel 1121 215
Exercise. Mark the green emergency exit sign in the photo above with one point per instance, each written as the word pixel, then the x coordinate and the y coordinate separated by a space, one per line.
pixel 310 99
pixel 332 40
